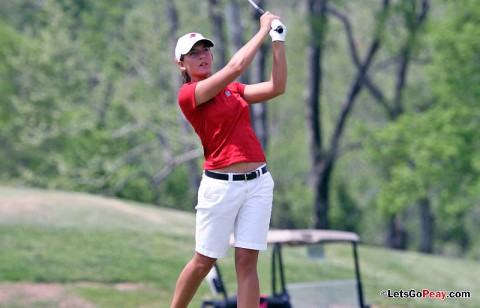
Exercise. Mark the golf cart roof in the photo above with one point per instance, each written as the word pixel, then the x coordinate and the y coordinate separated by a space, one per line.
pixel 310 236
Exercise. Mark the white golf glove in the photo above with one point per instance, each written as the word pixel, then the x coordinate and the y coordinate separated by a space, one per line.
pixel 279 31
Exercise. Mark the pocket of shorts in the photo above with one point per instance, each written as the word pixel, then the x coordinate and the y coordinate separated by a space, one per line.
pixel 211 192
pixel 269 183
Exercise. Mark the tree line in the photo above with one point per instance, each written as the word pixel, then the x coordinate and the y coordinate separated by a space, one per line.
pixel 376 133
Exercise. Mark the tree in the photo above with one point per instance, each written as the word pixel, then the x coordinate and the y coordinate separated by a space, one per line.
pixel 191 149
pixel 324 155
pixel 87 86
pixel 414 15
pixel 432 152
pixel 10 42
pixel 50 102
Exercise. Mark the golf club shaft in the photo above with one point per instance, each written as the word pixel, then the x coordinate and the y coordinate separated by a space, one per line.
pixel 261 12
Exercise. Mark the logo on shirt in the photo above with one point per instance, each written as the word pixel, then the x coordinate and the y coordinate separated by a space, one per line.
pixel 227 93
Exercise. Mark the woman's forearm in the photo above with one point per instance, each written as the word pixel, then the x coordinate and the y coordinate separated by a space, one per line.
pixel 244 56
pixel 279 68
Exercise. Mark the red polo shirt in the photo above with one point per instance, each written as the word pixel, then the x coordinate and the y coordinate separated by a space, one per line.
pixel 223 125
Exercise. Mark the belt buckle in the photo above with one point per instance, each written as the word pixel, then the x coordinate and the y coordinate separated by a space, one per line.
pixel 246 176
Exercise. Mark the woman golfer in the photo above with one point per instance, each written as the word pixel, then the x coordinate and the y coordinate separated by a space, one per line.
pixel 236 191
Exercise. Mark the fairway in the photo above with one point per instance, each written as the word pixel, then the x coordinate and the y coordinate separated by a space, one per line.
pixel 62 249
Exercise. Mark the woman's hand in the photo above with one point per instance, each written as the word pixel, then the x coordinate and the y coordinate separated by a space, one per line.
pixel 278 32
pixel 266 20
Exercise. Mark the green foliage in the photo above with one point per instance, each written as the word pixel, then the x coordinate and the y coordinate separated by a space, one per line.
pixel 86 84
pixel 456 59
pixel 10 42
pixel 433 154
pixel 291 208
pixel 345 213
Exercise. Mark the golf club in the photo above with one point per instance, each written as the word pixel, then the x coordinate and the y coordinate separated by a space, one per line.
pixel 261 12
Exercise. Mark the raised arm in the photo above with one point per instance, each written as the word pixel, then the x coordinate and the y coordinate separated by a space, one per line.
pixel 277 84
pixel 209 87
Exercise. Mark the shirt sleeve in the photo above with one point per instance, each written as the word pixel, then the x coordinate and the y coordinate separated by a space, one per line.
pixel 241 88
pixel 186 97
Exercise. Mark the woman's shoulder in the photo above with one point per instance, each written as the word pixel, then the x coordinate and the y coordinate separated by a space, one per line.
pixel 188 84
pixel 236 87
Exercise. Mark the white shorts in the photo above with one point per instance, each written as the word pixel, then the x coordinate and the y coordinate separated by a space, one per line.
pixel 224 206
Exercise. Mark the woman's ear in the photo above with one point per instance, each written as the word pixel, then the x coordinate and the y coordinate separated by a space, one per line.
pixel 181 66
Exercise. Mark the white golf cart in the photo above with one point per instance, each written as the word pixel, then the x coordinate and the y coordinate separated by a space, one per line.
pixel 338 293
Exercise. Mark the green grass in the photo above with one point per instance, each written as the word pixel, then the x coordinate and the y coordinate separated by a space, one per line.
pixel 145 296
pixel 112 253
pixel 71 255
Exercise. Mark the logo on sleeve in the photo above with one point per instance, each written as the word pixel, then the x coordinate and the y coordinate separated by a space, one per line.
pixel 227 93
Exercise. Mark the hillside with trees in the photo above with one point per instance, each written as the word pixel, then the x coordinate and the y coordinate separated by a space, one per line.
pixel 377 132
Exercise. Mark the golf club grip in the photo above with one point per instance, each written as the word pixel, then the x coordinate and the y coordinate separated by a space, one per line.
pixel 261 12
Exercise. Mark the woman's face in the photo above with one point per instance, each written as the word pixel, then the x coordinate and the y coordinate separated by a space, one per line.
pixel 198 62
